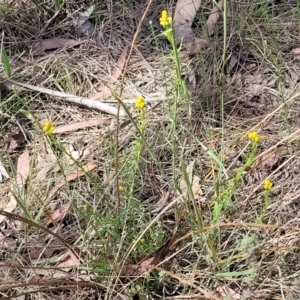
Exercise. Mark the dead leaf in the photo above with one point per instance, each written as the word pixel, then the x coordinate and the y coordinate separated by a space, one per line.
pixel 120 64
pixel 193 180
pixel 16 140
pixel 296 51
pixel 71 260
pixel 140 268
pixel 145 265
pixel 83 23
pixel 228 293
pixel 23 168
pixel 84 16
pixel 105 92
pixel 53 43
pixel 73 175
pixel 59 214
pixel 17 188
pixel 7 243
pixel 76 152
pixel 195 45
pixel 189 171
pixel 80 125
pixel 185 13
pixel 214 17
pixel 117 71
pixel 270 159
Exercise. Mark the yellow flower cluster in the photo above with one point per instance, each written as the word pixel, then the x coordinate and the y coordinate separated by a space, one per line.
pixel 268 185
pixel 254 137
pixel 140 102
pixel 48 127
pixel 165 20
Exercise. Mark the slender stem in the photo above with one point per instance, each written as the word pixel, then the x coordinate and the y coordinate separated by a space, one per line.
pixel 120 95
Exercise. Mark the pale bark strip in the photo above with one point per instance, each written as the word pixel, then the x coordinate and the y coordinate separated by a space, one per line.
pixel 68 97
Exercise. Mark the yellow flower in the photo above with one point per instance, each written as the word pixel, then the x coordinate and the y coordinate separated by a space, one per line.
pixel 121 188
pixel 85 207
pixel 268 185
pixel 140 102
pixel 48 127
pixel 254 137
pixel 165 19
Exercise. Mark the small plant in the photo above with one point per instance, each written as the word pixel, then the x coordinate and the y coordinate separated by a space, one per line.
pixel 267 200
pixel 224 196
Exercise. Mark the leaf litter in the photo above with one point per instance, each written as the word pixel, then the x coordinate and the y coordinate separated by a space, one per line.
pixel 185 13
pixel 17 186
pixel 70 177
pixel 117 71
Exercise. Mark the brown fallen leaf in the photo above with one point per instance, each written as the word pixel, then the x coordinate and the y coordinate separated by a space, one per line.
pixel 189 171
pixel 7 243
pixel 17 187
pixel 53 43
pixel 195 45
pixel 140 268
pixel 214 17
pixel 23 168
pixel 71 260
pixel 73 175
pixel 80 125
pixel 59 214
pixel 296 51
pixel 145 265
pixel 117 71
pixel 16 141
pixel 185 13
pixel 193 180
pixel 228 293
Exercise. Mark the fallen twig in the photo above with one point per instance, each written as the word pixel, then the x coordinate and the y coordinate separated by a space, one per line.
pixel 11 84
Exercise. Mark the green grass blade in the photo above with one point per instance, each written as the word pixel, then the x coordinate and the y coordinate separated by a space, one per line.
pixel 42 7
pixel 235 274
pixel 214 157
pixel 57 4
pixel 5 61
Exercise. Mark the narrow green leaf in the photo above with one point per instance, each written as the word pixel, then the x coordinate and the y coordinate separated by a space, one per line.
pixel 5 61
pixel 214 157
pixel 42 7
pixel 235 274
pixel 57 4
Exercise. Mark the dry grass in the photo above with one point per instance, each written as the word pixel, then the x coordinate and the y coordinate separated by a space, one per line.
pixel 194 256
